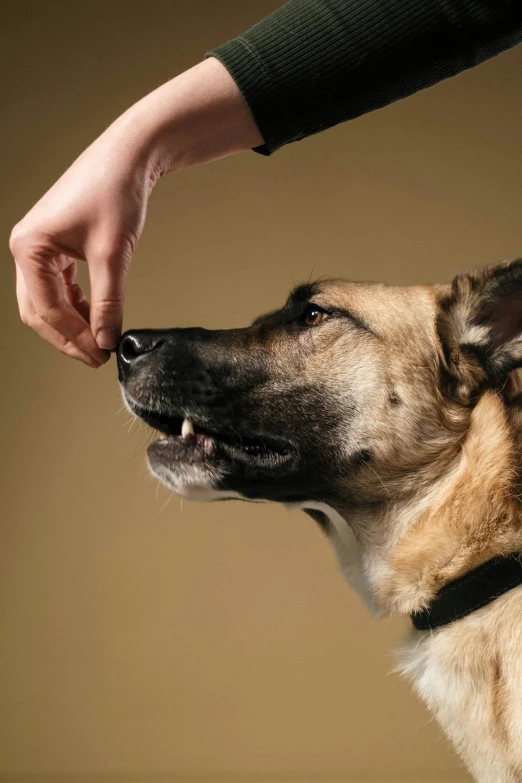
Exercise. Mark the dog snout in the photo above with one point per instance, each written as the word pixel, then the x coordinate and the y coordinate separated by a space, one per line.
pixel 135 344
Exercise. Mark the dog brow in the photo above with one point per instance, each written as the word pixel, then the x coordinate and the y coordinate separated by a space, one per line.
pixel 357 321
pixel 302 293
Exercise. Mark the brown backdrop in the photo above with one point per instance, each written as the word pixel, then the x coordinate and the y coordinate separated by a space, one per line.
pixel 146 639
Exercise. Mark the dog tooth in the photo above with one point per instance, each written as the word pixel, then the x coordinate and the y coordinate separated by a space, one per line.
pixel 187 428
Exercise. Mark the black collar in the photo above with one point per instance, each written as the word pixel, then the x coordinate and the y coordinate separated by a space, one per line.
pixel 471 591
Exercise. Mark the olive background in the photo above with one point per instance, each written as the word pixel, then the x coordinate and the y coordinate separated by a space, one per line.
pixel 143 638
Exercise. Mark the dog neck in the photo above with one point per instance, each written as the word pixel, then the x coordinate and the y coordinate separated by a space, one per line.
pixel 400 553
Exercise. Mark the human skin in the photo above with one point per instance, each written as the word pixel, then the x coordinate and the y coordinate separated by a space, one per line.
pixel 96 211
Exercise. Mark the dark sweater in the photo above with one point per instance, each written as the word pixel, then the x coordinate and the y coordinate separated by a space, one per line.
pixel 314 63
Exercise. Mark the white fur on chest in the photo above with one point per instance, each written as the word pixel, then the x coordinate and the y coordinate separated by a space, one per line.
pixel 347 548
pixel 453 670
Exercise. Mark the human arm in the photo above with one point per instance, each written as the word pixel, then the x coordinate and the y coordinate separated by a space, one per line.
pixel 310 65
pixel 96 210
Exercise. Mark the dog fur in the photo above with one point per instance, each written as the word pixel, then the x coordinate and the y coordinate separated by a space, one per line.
pixel 394 419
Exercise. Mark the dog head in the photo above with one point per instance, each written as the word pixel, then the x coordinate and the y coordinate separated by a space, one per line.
pixel 346 395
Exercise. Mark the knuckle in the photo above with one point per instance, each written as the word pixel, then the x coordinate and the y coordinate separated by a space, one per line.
pixel 69 349
pixel 27 319
pixel 128 247
pixel 31 247
pixel 16 239
pixel 76 291
pixel 109 305
pixel 116 250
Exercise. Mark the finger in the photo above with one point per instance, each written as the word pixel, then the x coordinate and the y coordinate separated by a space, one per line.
pixel 46 290
pixel 74 292
pixel 31 318
pixel 107 277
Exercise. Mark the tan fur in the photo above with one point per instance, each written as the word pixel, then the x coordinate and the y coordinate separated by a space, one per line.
pixel 471 673
pixel 473 516
pixel 442 496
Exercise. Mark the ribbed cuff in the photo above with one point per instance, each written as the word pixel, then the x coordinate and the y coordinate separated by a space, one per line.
pixel 260 91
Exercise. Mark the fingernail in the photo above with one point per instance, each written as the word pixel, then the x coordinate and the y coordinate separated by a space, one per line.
pixel 89 361
pixel 107 338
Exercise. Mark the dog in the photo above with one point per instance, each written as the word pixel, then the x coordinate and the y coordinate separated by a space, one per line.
pixel 393 417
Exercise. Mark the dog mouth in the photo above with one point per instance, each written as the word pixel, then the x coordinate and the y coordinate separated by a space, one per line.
pixel 192 440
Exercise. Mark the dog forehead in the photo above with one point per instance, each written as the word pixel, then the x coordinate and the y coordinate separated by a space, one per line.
pixel 385 308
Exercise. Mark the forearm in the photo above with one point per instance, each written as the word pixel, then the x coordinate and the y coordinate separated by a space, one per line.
pixel 197 117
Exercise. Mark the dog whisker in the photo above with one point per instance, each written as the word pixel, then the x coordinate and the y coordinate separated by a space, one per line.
pixel 387 491
pixel 166 503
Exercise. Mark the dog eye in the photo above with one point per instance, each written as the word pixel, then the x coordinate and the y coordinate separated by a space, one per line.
pixel 312 316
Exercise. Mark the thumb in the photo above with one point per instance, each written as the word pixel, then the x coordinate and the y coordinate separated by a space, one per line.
pixel 107 278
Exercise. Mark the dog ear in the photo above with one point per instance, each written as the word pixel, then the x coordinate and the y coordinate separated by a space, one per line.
pixel 480 327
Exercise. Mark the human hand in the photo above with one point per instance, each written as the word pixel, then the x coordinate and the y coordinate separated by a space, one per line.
pixel 96 211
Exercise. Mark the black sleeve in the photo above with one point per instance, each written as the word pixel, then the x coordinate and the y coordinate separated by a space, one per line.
pixel 314 63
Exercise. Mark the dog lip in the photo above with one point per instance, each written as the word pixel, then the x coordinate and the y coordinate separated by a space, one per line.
pixel 192 448
pixel 188 433
pixel 158 420
pixel 203 447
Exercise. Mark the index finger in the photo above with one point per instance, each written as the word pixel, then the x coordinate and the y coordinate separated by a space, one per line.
pixel 46 289
pixel 31 318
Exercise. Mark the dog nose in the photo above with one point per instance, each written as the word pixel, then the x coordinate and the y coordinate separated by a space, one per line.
pixel 133 345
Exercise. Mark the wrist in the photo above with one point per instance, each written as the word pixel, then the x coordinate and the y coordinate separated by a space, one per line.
pixel 197 117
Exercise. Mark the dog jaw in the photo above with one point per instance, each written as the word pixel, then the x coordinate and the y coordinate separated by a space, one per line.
pixel 191 481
